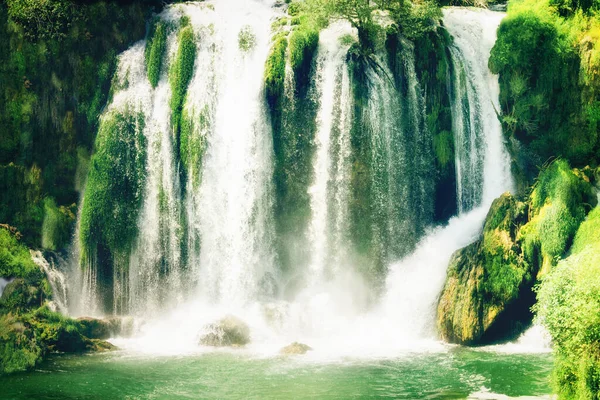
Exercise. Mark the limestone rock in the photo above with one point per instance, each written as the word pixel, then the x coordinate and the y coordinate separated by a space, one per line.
pixel 488 281
pixel 295 348
pixel 229 331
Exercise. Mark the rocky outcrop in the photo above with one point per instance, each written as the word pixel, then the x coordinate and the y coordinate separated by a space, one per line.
pixel 229 331
pixel 489 288
pixel 486 279
pixel 295 348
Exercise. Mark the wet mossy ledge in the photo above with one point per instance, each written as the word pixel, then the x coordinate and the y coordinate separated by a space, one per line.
pixel 113 198
pixel 29 330
pixel 489 289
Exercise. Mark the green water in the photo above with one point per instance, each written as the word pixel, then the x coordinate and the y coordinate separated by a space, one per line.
pixel 452 375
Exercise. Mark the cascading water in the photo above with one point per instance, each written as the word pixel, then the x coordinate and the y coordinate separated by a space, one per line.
pixel 206 244
pixel 474 33
pixel 329 194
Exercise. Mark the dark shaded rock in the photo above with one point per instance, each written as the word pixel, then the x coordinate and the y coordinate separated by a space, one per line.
pixel 94 328
pixel 295 348
pixel 229 331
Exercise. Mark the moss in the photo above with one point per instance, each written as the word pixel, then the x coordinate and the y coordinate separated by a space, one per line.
pixel 443 146
pixel 559 202
pixel 246 39
pixel 488 290
pixel 194 129
pixel 15 260
pixel 156 46
pixel 115 182
pixel 181 72
pixel 303 44
pixel 58 224
pixel 25 339
pixel 275 71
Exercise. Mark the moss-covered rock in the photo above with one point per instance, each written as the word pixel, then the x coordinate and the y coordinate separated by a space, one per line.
pixel 275 70
pixel 229 331
pixel 295 348
pixel 156 45
pixel 181 72
pixel 488 280
pixel 558 203
pixel 25 339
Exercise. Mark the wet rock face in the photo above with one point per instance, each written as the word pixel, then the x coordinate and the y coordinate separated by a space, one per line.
pixel 229 331
pixel 295 348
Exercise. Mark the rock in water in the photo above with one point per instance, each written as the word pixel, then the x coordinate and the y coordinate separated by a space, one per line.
pixel 295 348
pixel 229 331
pixel 488 291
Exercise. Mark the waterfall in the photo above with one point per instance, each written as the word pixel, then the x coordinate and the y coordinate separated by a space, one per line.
pixel 415 282
pixel 329 192
pixel 56 277
pixel 369 263
pixel 234 200
pixel 474 33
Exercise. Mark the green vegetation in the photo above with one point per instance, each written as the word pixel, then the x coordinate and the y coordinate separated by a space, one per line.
pixel 57 59
pixel 558 203
pixel 488 290
pixel 114 189
pixel 246 38
pixel 548 58
pixel 302 46
pixel 15 260
pixel 155 51
pixel 568 304
pixel 57 225
pixel 181 72
pixel 194 129
pixel 275 71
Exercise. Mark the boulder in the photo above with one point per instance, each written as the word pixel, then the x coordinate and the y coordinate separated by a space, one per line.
pixel 229 331
pixel 488 291
pixel 295 348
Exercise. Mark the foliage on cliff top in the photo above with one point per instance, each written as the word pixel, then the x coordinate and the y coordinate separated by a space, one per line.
pixel 548 58
pixel 55 73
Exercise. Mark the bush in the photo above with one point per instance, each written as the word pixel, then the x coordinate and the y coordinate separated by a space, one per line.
pixel 568 304
pixel 559 202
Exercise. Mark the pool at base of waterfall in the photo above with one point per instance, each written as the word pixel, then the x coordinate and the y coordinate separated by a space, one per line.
pixel 456 373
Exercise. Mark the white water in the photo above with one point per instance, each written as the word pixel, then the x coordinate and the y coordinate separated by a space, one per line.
pixel 474 32
pixel 3 283
pixel 234 200
pixel 57 279
pixel 329 191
